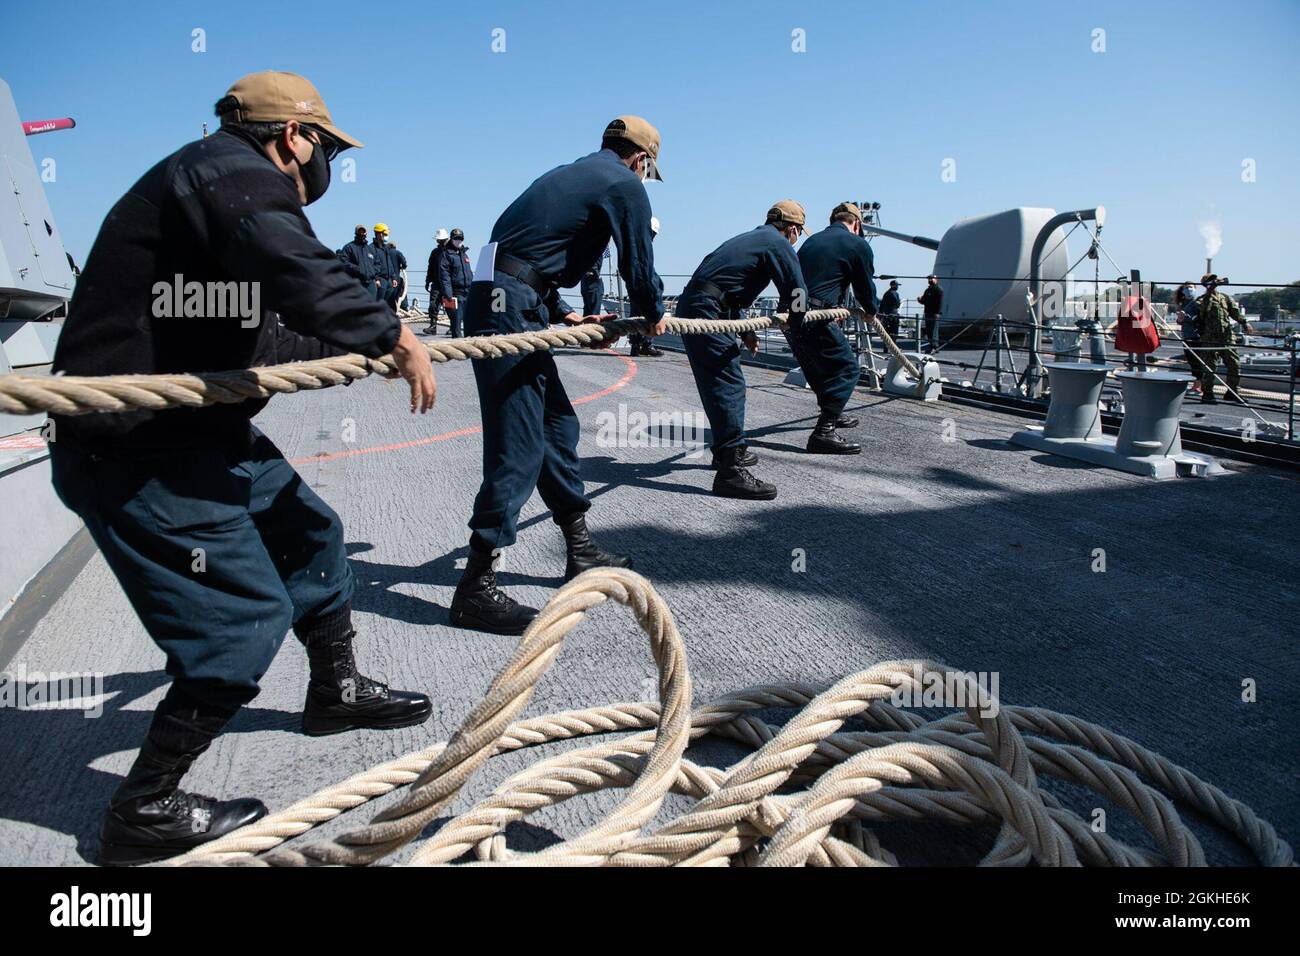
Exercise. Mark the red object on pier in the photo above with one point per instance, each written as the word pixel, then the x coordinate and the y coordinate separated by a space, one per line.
pixel 1136 331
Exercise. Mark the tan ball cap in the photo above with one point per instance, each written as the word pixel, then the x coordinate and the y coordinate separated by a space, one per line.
pixel 788 211
pixel 639 133
pixel 850 207
pixel 272 96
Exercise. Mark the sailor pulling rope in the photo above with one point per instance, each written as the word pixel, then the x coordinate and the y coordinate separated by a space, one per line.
pixel 193 507
pixel 84 394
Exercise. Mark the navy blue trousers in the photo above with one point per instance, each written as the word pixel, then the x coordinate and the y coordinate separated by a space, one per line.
pixel 823 352
pixel 454 316
pixel 593 292
pixel 715 363
pixel 530 431
pixel 219 553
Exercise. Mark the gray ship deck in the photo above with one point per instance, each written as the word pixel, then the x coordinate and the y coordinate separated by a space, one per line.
pixel 972 552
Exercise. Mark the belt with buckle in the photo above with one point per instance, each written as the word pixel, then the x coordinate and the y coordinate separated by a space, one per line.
pixel 709 290
pixel 525 273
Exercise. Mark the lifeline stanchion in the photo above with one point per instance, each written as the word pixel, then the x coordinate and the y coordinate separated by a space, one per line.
pixel 81 395
pixel 805 796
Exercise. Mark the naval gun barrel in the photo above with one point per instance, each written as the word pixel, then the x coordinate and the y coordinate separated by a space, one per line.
pixel 921 241
pixel 34 127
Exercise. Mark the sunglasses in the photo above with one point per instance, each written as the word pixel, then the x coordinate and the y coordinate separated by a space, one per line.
pixel 325 141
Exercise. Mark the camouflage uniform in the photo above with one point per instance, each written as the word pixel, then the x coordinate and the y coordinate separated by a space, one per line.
pixel 1216 311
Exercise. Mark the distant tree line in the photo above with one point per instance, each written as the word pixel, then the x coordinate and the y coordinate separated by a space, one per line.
pixel 1266 302
pixel 1263 303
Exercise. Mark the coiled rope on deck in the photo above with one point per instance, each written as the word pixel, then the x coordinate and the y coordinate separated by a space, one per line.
pixel 82 395
pixel 810 793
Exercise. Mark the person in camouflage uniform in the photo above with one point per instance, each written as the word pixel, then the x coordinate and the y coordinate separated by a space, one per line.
pixel 1217 311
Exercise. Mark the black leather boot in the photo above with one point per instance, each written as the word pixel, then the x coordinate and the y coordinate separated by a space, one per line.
pixel 744 458
pixel 733 480
pixel 825 441
pixel 582 553
pixel 482 606
pixel 650 351
pixel 339 697
pixel 846 421
pixel 150 818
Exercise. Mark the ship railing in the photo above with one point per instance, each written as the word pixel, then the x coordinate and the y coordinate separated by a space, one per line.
pixel 1000 343
pixel 999 350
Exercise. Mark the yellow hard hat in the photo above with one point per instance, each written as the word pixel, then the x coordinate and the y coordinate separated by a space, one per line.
pixel 380 227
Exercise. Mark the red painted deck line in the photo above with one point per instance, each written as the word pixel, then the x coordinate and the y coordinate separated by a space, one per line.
pixel 23 443
pixel 628 375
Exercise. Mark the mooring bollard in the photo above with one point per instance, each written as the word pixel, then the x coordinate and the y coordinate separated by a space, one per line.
pixel 1066 346
pixel 897 381
pixel 1075 410
pixel 1148 442
pixel 1152 401
pixel 1096 340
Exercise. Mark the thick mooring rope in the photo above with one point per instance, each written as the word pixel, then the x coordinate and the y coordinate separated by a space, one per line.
pixel 807 795
pixel 81 395
pixel 892 347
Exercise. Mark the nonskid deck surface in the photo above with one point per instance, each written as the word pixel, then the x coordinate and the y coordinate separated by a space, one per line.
pixel 971 551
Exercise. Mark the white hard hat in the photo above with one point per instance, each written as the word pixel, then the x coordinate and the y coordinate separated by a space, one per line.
pixel 441 235
pixel 654 225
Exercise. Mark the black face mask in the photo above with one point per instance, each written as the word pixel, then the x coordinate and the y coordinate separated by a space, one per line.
pixel 315 175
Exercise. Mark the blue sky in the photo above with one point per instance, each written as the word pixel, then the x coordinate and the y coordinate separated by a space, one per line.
pixel 1155 128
